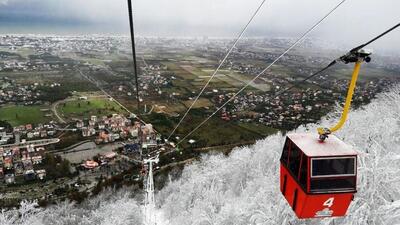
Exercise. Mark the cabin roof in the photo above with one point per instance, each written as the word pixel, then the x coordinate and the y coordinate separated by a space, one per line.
pixel 311 146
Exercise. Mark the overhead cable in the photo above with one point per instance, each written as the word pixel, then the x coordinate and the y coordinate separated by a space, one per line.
pixel 375 38
pixel 135 70
pixel 218 68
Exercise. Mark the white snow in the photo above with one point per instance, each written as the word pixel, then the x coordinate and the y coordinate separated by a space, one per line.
pixel 109 208
pixel 310 144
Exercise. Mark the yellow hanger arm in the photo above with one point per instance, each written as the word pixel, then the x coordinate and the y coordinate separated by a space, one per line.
pixel 349 99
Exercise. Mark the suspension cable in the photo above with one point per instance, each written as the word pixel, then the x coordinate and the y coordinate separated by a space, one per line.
pixel 219 66
pixel 135 69
pixel 262 72
pixel 375 38
pixel 335 61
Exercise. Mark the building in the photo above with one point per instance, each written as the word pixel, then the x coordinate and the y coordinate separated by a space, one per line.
pixel 131 148
pixel 93 118
pixel 18 168
pixel 110 155
pixel 90 164
pixel 79 124
pixel 37 159
pixel 134 132
pixel 88 131
pixel 8 163
pixel 9 178
pixel 41 174
pixel 29 175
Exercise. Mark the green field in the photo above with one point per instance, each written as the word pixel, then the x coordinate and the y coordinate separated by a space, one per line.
pixel 215 132
pixel 201 103
pixel 20 115
pixel 258 128
pixel 86 108
pixel 192 77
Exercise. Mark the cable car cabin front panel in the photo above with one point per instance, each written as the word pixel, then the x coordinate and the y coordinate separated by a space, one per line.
pixel 316 186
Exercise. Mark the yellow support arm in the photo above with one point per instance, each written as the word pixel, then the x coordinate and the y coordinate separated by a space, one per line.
pixel 349 98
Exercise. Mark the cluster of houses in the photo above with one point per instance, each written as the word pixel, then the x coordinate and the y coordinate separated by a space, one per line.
pixel 4 137
pixel 278 110
pixel 20 162
pixel 13 92
pixel 289 109
pixel 116 127
pixel 39 131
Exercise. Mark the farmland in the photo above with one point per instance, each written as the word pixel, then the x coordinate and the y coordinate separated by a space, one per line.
pixel 191 77
pixel 20 115
pixel 80 109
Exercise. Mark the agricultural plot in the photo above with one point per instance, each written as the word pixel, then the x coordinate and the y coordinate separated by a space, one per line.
pixel 69 80
pixel 86 108
pixel 201 103
pixel 235 79
pixel 258 128
pixel 196 71
pixel 179 71
pixel 21 115
pixel 366 74
pixel 193 78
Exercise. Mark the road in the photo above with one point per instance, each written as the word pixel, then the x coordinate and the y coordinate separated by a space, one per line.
pixel 87 150
pixel 55 112
pixel 36 143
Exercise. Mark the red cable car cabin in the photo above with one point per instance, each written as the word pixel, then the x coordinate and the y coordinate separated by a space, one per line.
pixel 318 179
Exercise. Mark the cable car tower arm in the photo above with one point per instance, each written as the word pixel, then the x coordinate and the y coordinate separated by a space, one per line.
pixel 356 57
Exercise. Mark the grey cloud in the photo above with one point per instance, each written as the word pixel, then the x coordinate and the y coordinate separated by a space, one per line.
pixel 353 22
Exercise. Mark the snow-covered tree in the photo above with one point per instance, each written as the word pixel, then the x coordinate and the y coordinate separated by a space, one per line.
pixel 111 207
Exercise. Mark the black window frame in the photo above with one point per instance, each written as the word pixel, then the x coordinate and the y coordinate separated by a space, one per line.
pixel 338 183
pixel 303 171
pixel 286 151
pixel 330 182
pixel 294 161
pixel 312 176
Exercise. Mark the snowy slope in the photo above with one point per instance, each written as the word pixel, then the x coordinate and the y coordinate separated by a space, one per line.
pixel 244 187
pixel 109 208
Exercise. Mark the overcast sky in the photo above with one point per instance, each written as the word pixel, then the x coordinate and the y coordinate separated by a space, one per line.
pixel 353 22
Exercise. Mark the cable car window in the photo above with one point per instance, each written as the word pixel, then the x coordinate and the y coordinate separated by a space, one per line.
pixel 294 160
pixel 303 172
pixel 285 152
pixel 330 167
pixel 333 184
